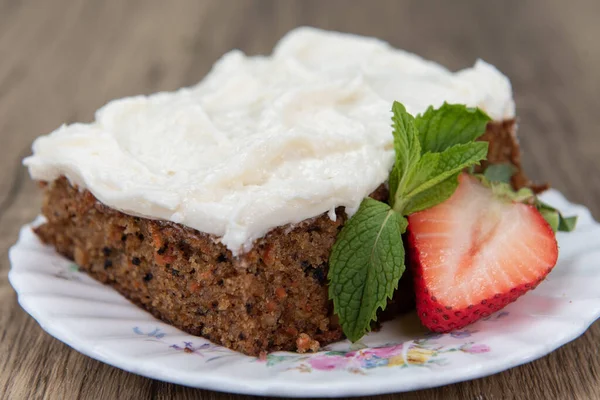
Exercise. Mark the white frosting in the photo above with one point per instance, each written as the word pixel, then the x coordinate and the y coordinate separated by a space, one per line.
pixel 261 141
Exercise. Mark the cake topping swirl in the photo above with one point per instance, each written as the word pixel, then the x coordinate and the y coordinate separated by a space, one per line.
pixel 262 142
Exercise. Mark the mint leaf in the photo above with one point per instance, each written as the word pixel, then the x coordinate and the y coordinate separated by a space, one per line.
pixel 432 196
pixel 500 172
pixel 445 145
pixel 449 125
pixel 406 139
pixel 393 183
pixel 365 264
pixel 434 168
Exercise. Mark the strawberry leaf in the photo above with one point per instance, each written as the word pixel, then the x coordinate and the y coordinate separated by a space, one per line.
pixel 366 262
pixel 523 195
pixel 567 224
pixel 552 218
pixel 500 172
pixel 555 218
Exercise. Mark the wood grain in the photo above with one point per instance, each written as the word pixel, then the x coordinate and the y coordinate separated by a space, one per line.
pixel 61 60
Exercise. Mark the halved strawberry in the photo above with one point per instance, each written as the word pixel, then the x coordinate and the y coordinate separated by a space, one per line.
pixel 475 253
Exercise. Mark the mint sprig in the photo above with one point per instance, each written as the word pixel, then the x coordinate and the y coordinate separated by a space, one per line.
pixel 449 125
pixel 367 259
pixel 432 196
pixel 437 152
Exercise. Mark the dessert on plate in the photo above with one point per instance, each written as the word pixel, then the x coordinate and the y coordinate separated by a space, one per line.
pixel 216 207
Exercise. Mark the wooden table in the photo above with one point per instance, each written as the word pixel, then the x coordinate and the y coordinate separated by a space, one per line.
pixel 60 60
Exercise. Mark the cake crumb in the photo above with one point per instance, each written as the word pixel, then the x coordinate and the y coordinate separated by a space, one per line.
pixel 305 343
pixel 80 256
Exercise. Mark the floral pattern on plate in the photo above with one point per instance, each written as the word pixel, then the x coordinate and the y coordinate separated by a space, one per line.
pixel 420 352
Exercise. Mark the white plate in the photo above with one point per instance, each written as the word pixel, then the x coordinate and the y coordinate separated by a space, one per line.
pixel 97 321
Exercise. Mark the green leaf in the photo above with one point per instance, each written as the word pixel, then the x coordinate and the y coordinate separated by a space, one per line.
pixel 501 189
pixel 444 146
pixel 434 168
pixel 567 224
pixel 365 264
pixel 432 196
pixel 449 125
pixel 500 172
pixel 406 139
pixel 393 183
pixel 552 218
pixel 555 219
pixel 505 190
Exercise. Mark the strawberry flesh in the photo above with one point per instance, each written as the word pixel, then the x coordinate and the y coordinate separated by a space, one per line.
pixel 475 253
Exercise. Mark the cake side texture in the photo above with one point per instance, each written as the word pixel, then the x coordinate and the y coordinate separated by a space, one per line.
pixel 504 149
pixel 271 298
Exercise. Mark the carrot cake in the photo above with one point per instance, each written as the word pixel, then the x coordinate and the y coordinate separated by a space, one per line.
pixel 215 207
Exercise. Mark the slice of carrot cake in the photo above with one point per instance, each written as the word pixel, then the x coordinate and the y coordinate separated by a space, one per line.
pixel 215 207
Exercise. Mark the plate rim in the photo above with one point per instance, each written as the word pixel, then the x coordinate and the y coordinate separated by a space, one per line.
pixel 276 387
